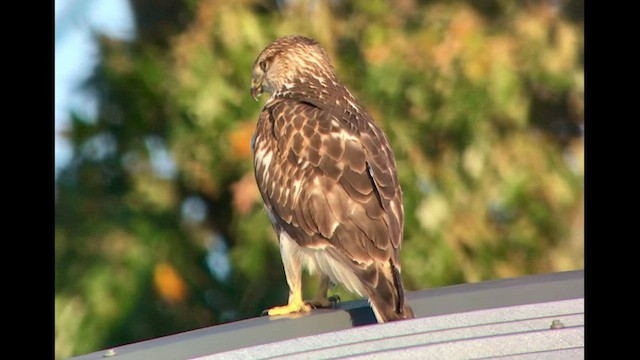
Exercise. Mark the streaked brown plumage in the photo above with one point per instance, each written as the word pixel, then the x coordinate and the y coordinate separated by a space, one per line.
pixel 328 180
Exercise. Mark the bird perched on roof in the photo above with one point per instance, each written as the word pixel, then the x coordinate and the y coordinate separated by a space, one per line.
pixel 328 179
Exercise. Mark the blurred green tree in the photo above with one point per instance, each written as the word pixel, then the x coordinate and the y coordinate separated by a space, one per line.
pixel 159 225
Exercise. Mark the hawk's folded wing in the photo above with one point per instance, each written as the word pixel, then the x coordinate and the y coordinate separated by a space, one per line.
pixel 329 177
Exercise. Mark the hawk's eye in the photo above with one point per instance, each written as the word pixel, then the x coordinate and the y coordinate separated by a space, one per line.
pixel 263 65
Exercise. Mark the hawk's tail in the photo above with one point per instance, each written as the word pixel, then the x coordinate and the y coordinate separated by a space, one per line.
pixel 387 297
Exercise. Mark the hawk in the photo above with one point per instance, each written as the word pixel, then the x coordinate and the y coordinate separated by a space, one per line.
pixel 328 179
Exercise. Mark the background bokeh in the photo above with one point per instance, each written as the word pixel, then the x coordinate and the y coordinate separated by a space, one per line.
pixel 159 226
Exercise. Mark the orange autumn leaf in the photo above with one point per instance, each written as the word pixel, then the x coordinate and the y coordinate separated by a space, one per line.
pixel 240 140
pixel 168 283
pixel 245 193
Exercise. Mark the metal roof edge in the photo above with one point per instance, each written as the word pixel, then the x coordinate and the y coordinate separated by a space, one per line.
pixel 425 303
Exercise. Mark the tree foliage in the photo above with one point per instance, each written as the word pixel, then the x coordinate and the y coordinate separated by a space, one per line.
pixel 159 225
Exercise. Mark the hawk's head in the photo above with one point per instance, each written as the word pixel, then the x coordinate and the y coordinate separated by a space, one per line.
pixel 287 60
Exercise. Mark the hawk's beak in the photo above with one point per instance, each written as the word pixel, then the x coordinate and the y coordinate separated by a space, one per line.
pixel 256 90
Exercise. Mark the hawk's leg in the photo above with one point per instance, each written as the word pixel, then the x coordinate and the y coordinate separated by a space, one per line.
pixel 293 272
pixel 320 300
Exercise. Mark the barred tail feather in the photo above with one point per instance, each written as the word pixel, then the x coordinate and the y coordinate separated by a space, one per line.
pixel 388 300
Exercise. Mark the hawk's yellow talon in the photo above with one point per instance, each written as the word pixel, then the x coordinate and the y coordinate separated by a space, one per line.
pixel 290 308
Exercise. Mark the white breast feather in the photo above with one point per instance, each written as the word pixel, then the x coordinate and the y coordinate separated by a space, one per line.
pixel 317 259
